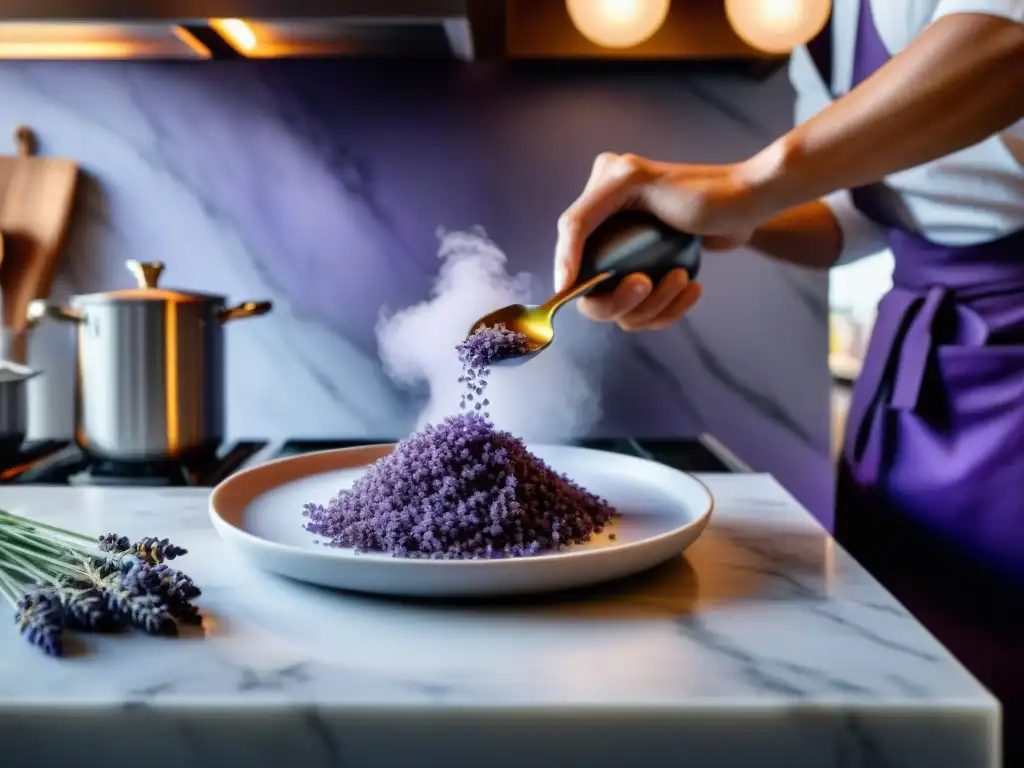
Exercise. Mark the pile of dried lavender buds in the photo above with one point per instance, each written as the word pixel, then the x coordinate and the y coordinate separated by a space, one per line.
pixel 59 580
pixel 462 490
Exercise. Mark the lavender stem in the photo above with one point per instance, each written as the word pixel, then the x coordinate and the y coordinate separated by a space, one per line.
pixel 25 521
pixel 8 547
pixel 42 542
pixel 37 574
pixel 9 589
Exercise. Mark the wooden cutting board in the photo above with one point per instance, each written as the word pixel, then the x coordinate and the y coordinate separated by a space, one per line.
pixel 36 197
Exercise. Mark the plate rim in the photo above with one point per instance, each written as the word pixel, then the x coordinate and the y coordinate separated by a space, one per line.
pixel 375 558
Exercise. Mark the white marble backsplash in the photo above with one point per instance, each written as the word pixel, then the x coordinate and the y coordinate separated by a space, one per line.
pixel 321 185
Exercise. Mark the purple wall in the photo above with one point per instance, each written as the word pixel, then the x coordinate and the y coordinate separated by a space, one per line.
pixel 322 185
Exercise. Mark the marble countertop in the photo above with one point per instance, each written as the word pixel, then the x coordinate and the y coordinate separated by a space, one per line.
pixel 766 645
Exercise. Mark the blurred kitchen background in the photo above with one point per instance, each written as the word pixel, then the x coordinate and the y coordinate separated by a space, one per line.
pixel 854 292
pixel 309 156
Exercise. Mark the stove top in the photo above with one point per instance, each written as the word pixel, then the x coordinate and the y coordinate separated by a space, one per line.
pixel 29 455
pixel 54 462
pixel 61 462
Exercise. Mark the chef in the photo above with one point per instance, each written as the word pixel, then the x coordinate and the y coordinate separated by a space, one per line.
pixel 911 138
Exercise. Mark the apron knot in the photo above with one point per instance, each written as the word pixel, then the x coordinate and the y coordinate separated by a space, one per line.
pixel 895 378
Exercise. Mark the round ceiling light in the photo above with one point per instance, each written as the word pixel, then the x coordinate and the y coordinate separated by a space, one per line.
pixel 777 26
pixel 617 23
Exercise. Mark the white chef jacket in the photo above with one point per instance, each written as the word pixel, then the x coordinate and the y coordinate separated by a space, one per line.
pixel 972 196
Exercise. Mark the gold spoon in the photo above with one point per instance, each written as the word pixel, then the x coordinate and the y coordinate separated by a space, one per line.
pixel 625 243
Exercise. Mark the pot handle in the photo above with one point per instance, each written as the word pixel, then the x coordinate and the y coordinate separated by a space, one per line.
pixel 40 308
pixel 244 310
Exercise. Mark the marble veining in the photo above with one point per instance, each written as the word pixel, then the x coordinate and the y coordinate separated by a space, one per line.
pixel 766 645
pixel 321 184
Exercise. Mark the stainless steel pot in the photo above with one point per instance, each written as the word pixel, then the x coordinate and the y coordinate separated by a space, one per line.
pixel 13 405
pixel 149 384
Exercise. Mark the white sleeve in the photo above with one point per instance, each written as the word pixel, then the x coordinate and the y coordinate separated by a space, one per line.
pixel 861 236
pixel 1010 9
pixel 812 93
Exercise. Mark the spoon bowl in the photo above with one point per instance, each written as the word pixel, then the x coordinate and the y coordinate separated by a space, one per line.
pixel 528 319
pixel 534 321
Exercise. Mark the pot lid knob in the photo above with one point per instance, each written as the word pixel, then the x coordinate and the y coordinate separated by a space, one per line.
pixel 147 273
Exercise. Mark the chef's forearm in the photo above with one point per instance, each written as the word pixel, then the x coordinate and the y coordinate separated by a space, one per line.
pixel 807 235
pixel 958 82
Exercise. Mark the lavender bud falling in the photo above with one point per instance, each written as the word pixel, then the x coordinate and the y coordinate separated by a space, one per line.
pixel 461 489
pixel 478 352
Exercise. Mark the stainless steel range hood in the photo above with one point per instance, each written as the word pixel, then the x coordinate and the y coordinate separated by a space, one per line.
pixel 234 28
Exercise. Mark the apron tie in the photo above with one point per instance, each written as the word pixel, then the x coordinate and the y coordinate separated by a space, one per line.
pixel 904 327
pixel 917 349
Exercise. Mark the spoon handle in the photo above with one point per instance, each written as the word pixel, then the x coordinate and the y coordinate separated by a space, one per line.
pixel 632 241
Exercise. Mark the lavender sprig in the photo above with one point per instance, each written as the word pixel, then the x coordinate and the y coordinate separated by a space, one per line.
pixel 179 585
pixel 111 542
pixel 166 586
pixel 88 610
pixel 145 612
pixel 40 618
pixel 150 549
pixel 58 579
pixel 155 550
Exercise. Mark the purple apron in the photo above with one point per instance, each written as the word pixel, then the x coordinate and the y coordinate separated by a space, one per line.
pixel 935 434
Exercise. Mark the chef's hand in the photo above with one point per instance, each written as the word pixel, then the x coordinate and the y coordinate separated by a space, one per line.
pixel 707 200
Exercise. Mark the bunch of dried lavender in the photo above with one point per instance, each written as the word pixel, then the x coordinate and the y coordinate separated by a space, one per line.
pixel 60 580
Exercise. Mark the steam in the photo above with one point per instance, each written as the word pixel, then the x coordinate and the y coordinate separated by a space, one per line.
pixel 547 399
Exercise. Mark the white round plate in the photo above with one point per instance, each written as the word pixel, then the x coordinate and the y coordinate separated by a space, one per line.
pixel 258 512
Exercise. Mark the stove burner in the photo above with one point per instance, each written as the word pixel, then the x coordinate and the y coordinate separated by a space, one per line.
pixel 28 455
pixel 71 466
pixel 104 472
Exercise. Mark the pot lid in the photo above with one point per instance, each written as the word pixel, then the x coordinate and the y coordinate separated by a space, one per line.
pixel 10 371
pixel 147 275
